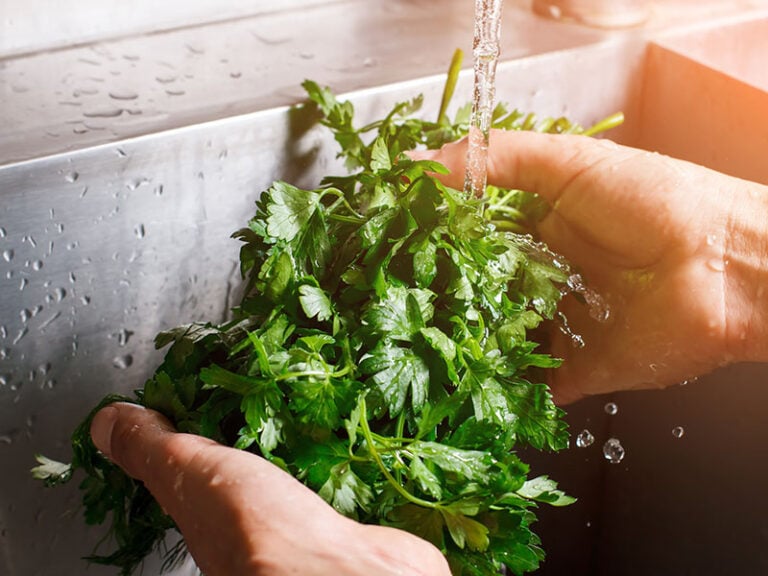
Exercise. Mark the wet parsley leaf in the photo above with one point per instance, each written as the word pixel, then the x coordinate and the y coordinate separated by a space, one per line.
pixel 383 353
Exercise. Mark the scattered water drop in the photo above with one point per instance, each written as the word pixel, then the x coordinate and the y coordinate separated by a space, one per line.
pixel 175 92
pixel 611 408
pixel 8 255
pixel 122 362
pixel 25 315
pixel 123 95
pixel 3 233
pixel 60 294
pixel 71 177
pixel 23 284
pixel 72 278
pixel 49 384
pixel 85 300
pixel 20 335
pixel 711 239
pixel 4 353
pixel 613 451
pixel 37 265
pixel 3 332
pixel 691 380
pixel 103 113
pixel 123 336
pixel 136 182
pixel 369 62
pixel 235 75
pixel 50 320
pixel 159 190
pixel 139 231
pixel 678 431
pixel 584 439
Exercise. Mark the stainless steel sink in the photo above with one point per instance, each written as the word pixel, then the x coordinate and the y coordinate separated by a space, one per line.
pixel 126 164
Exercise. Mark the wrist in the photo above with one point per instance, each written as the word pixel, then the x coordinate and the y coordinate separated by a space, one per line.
pixel 746 280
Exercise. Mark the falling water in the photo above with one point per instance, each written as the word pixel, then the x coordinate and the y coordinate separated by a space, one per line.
pixel 485 52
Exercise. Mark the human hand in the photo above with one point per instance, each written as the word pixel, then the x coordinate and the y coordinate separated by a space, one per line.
pixel 242 516
pixel 678 251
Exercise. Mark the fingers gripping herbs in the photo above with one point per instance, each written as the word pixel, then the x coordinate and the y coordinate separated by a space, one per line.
pixel 382 353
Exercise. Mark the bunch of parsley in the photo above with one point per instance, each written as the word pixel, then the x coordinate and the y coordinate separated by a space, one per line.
pixel 382 353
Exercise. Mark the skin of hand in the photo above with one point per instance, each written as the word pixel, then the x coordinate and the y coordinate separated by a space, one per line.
pixel 242 516
pixel 678 251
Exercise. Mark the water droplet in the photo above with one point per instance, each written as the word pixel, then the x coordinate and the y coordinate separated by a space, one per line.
pixel 103 113
pixel 369 62
pixel 167 79
pixel 49 384
pixel 8 255
pixel 123 336
pixel 3 380
pixel 71 177
pixel 613 451
pixel 25 315
pixel 691 380
pixel 711 239
pixel 584 439
pixel 678 431
pixel 3 233
pixel 85 300
pixel 4 353
pixel 175 92
pixel 121 153
pixel 20 335
pixel 611 408
pixel 23 284
pixel 123 94
pixel 60 294
pixel 139 231
pixel 235 75
pixel 122 362
pixel 44 368
pixel 37 265
pixel 36 310
pixel 159 190
pixel 50 320
pixel 3 332
pixel 136 182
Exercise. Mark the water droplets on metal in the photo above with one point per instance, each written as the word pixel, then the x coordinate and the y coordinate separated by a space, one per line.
pixel 611 408
pixel 122 362
pixel 613 451
pixel 678 431
pixel 71 177
pixel 584 439
pixel 140 231
pixel 8 255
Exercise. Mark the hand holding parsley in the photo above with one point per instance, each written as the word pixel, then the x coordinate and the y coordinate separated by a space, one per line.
pixel 241 515
pixel 680 253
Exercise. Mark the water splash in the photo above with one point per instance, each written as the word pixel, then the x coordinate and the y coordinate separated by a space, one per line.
pixel 613 451
pixel 598 307
pixel 485 52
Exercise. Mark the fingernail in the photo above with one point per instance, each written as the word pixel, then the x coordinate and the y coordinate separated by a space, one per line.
pixel 101 429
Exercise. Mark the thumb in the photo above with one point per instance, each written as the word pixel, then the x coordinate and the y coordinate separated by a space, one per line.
pixel 542 163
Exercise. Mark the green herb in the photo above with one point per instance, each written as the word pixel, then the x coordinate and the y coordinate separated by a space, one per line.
pixel 382 353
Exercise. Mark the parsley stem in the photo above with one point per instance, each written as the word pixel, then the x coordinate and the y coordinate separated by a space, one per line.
pixel 380 463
